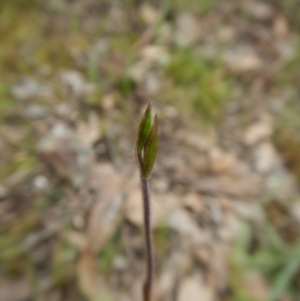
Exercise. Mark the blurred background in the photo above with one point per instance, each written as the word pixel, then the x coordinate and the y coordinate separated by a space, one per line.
pixel 75 78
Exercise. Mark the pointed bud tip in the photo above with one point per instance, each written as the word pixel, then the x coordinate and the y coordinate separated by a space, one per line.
pixel 155 123
pixel 149 106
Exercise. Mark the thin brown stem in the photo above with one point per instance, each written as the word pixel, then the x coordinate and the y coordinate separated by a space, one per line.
pixel 147 290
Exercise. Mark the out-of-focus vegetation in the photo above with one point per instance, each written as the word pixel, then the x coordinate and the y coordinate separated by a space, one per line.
pixel 272 257
pixel 197 85
pixel 40 40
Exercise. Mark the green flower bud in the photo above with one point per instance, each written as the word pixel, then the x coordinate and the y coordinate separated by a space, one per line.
pixel 147 142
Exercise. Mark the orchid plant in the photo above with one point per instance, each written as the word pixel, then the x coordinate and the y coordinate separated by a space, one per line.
pixel 146 149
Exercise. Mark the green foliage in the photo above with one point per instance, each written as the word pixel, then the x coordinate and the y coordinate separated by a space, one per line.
pixel 292 10
pixel 287 137
pixel 64 262
pixel 17 26
pixel 276 261
pixel 126 86
pixel 14 242
pixel 22 4
pixel 196 6
pixel 6 102
pixel 161 237
pixel 197 84
pixel 290 74
pixel 109 252
pixel 52 198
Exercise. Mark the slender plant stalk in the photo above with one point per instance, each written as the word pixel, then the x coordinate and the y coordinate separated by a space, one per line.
pixel 147 290
pixel 146 149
